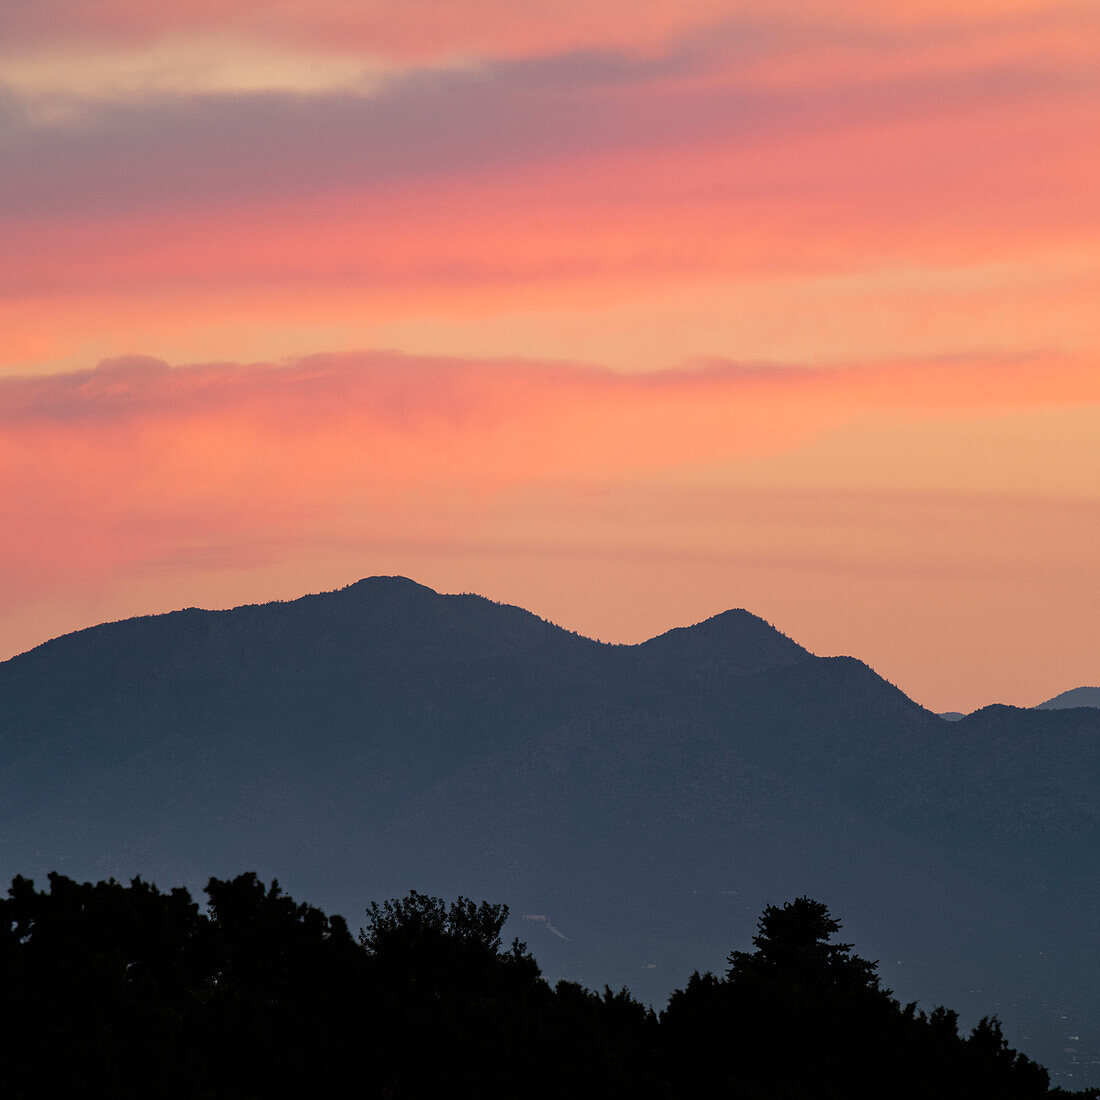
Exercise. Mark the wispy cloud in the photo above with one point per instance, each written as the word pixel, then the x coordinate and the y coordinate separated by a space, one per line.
pixel 419 28
pixel 769 147
pixel 177 466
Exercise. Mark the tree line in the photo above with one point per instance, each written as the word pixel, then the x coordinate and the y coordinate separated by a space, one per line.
pixel 120 990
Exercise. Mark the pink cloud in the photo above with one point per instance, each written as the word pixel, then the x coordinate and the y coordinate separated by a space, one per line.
pixel 425 28
pixel 573 168
pixel 770 144
pixel 396 28
pixel 104 470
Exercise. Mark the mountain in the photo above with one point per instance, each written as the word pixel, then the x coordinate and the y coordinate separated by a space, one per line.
pixel 1075 697
pixel 635 805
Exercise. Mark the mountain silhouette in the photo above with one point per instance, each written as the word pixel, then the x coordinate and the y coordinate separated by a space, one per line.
pixel 734 643
pixel 1075 697
pixel 640 804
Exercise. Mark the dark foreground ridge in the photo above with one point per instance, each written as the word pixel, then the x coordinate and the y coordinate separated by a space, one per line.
pixel 638 805
pixel 123 991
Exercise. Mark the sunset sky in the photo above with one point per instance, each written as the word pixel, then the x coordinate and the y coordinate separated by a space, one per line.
pixel 628 312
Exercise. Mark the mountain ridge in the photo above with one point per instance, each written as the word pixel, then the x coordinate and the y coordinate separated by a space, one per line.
pixel 380 590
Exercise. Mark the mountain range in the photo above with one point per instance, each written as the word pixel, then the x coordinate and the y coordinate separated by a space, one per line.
pixel 1075 697
pixel 636 806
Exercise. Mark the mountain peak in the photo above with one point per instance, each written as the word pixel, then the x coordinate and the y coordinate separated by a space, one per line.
pixel 388 583
pixel 734 642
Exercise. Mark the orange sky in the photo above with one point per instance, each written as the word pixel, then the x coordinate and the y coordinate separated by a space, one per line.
pixel 625 312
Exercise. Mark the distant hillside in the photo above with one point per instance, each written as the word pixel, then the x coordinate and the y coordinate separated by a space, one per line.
pixel 1075 697
pixel 640 804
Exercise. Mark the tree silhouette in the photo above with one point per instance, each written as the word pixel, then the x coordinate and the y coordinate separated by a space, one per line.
pixel 408 923
pixel 452 1007
pixel 803 1016
pixel 123 991
pixel 285 990
pixel 792 946
pixel 100 986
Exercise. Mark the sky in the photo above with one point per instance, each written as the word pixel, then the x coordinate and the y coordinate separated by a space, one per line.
pixel 625 312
